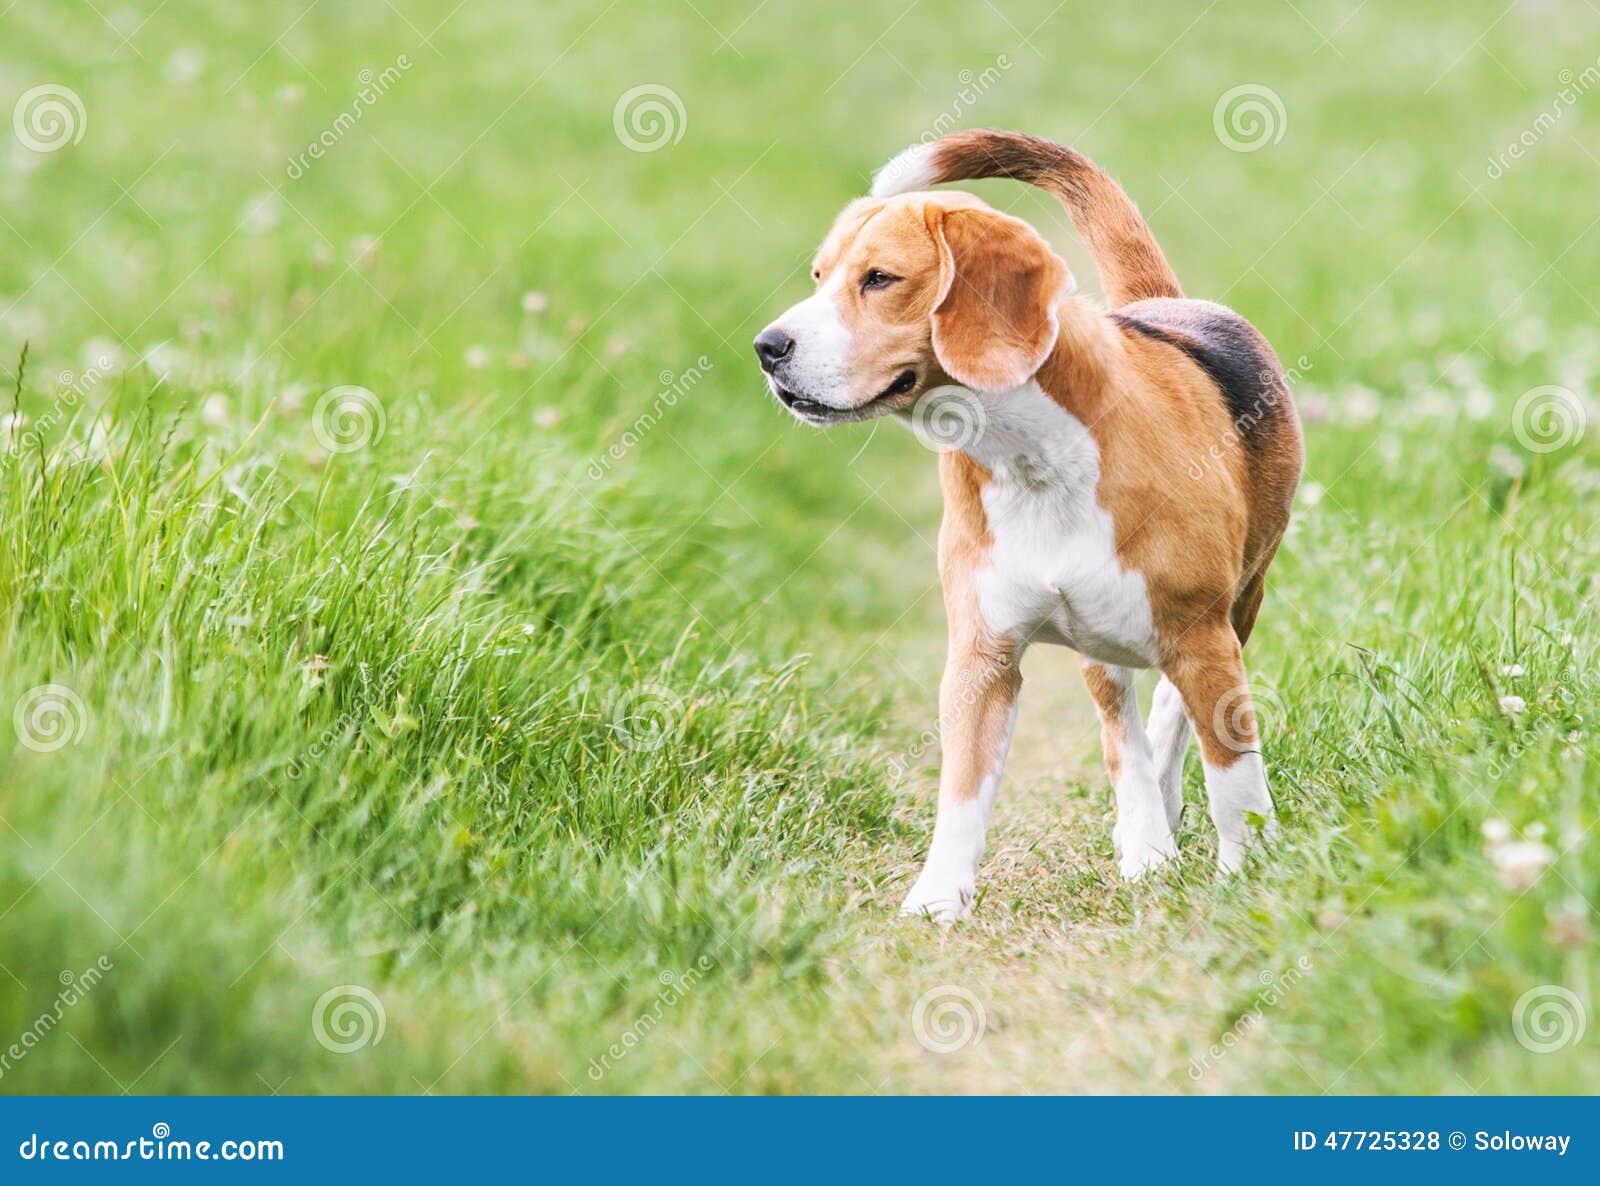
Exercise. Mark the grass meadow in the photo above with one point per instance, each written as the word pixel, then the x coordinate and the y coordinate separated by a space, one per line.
pixel 431 662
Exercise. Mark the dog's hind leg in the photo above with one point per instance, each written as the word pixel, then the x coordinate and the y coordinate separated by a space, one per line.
pixel 1169 741
pixel 1142 836
pixel 1209 671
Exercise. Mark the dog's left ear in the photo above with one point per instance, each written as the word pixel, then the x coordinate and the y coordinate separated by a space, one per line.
pixel 994 322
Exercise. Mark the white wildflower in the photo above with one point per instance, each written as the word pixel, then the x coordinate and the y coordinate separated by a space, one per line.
pixel 261 214
pixel 365 251
pixel 183 66
pixel 1518 863
pixel 1359 404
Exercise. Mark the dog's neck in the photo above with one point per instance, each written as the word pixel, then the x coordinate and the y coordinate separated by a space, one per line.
pixel 1031 442
pixel 1034 435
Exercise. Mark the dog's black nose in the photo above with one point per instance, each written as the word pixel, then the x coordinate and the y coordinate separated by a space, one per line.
pixel 772 347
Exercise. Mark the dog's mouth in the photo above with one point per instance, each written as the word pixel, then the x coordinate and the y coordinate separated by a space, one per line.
pixel 819 413
pixel 800 405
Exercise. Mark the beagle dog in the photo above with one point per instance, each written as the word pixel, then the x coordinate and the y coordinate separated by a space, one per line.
pixel 1074 510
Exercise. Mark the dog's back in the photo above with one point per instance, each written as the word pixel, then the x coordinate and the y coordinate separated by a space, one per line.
pixel 1250 379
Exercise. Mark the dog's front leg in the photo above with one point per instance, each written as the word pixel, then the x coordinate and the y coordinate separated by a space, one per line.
pixel 977 707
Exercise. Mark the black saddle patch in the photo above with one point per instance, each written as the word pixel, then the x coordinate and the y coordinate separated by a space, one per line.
pixel 1226 347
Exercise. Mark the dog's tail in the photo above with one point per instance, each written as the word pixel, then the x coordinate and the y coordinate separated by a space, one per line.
pixel 1131 265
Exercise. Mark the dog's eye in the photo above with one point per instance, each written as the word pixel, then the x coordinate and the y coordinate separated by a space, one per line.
pixel 877 279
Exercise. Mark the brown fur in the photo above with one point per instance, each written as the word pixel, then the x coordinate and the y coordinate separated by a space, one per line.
pixel 1132 267
pixel 1108 702
pixel 982 677
pixel 994 321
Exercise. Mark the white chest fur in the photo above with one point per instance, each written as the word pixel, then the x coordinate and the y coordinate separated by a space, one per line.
pixel 1053 574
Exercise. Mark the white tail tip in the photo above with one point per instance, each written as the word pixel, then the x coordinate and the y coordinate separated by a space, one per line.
pixel 910 171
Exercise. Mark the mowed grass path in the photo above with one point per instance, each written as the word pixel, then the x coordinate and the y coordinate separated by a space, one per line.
pixel 414 609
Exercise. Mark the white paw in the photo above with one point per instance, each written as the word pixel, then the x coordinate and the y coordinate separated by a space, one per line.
pixel 940 897
pixel 1142 846
pixel 1231 851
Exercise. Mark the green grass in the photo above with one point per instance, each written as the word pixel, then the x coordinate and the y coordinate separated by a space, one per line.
pixel 559 714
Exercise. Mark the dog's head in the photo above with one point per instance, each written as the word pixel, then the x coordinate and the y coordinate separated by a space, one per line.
pixel 914 292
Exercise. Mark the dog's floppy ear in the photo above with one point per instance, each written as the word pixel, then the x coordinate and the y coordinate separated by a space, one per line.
pixel 994 321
